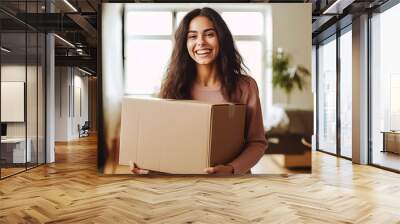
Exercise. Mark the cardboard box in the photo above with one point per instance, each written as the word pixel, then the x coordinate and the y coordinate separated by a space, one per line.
pixel 180 136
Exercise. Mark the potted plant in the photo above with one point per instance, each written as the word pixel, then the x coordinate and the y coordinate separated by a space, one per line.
pixel 285 76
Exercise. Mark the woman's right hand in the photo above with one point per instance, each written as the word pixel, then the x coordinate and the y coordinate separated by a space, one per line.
pixel 135 169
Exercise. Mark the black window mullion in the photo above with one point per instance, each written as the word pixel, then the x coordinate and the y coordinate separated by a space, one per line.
pixel 317 98
pixel 26 87
pixel 44 74
pixel 37 90
pixel 369 78
pixel 338 98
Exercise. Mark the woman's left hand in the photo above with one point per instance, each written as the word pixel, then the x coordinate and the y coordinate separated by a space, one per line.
pixel 219 169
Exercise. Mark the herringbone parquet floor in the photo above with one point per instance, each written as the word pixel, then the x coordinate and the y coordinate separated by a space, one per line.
pixel 71 191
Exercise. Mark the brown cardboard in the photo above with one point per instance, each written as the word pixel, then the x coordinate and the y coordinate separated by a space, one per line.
pixel 180 136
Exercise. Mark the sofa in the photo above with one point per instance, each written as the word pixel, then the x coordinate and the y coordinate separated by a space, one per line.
pixel 293 139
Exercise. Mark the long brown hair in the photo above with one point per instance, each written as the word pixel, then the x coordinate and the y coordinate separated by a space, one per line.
pixel 181 71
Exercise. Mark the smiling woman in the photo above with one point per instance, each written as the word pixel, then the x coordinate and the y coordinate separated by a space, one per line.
pixel 204 53
pixel 205 65
pixel 202 41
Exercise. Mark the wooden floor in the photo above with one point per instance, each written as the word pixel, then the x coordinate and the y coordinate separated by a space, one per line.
pixel 387 159
pixel 10 171
pixel 71 191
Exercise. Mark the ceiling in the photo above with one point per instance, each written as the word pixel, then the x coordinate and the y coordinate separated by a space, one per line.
pixel 72 20
pixel 76 22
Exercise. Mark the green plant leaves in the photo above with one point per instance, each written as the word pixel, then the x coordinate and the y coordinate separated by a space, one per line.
pixel 286 77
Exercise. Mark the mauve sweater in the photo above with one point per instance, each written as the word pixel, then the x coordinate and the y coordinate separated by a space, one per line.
pixel 255 142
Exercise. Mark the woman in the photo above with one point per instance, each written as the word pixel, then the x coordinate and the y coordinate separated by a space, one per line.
pixel 206 66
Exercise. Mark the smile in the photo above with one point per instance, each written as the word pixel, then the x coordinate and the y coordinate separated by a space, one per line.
pixel 203 52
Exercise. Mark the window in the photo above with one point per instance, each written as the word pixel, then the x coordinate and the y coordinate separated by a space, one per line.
pixel 385 87
pixel 157 23
pixel 179 17
pixel 238 22
pixel 394 101
pixel 333 106
pixel 327 96
pixel 250 44
pixel 144 71
pixel 346 94
pixel 22 74
pixel 251 53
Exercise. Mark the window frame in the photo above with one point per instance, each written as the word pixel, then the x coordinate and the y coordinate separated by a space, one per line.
pixel 371 15
pixel 334 37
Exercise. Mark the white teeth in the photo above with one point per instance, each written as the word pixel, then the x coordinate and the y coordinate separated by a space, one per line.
pixel 203 51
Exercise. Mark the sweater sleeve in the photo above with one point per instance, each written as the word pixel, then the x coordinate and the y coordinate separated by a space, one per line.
pixel 255 141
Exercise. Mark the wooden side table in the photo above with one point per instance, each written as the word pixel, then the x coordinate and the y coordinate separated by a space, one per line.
pixel 391 141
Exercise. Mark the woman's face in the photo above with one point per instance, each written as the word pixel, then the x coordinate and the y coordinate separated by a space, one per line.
pixel 202 41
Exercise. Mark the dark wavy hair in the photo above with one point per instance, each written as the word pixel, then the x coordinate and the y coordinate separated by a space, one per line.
pixel 181 71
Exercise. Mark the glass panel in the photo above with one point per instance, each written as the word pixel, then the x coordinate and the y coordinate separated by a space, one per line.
pixel 41 98
pixel 346 94
pixel 22 87
pixel 327 97
pixel 157 23
pixel 385 89
pixel 31 89
pixel 238 22
pixel 144 72
pixel 179 17
pixel 13 77
pixel 394 101
pixel 31 98
pixel 252 57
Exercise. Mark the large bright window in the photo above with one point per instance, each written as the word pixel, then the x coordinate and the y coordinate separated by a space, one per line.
pixel 346 94
pixel 251 53
pixel 157 23
pixel 148 46
pixel 327 96
pixel 385 87
pixel 394 101
pixel 144 70
pixel 238 22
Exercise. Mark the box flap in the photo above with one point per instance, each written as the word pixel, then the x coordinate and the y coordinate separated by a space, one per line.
pixel 227 133
pixel 146 98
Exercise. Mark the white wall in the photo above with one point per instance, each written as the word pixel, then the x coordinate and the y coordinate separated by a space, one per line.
pixel 80 109
pixel 82 83
pixel 12 73
pixel 71 94
pixel 34 124
pixel 62 81
pixel 292 33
